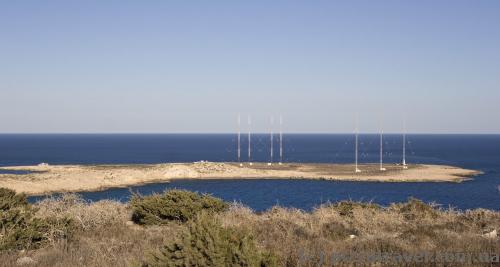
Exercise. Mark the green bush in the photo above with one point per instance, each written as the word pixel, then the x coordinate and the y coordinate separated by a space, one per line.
pixel 19 229
pixel 173 205
pixel 9 199
pixel 207 243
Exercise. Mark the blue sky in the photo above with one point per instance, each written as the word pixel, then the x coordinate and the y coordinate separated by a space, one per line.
pixel 192 66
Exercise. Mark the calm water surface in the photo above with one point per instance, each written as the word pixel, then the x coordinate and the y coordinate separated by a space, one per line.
pixel 480 152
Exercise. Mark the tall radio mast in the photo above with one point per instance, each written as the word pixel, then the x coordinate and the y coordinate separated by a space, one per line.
pixel 404 145
pixel 271 152
pixel 249 141
pixel 239 139
pixel 382 150
pixel 281 140
pixel 356 134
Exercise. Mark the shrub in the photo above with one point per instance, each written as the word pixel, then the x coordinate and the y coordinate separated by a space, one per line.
pixel 207 243
pixel 21 230
pixel 480 218
pixel 87 216
pixel 337 231
pixel 177 205
pixel 346 208
pixel 9 199
pixel 415 208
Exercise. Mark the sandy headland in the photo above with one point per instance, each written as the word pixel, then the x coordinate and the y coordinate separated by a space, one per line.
pixel 42 179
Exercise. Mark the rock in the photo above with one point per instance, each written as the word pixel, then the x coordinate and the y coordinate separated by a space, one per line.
pixel 352 236
pixel 25 261
pixel 491 235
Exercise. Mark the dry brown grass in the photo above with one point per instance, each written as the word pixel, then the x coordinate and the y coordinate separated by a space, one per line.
pixel 403 228
pixel 104 236
pixel 107 238
pixel 87 216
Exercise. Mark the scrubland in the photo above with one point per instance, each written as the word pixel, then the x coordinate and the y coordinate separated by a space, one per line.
pixel 181 228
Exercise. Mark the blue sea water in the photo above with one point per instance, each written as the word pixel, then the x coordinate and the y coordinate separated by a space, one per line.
pixel 479 152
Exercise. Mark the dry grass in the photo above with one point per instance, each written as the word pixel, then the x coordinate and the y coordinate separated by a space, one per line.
pixel 107 238
pixel 409 227
pixel 87 216
pixel 104 235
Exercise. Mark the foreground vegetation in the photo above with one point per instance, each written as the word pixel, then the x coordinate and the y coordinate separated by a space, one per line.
pixel 181 228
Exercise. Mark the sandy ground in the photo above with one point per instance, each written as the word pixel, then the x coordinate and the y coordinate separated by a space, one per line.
pixel 67 178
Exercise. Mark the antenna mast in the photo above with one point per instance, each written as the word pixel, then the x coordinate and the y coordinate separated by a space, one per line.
pixel 356 133
pixel 404 145
pixel 281 140
pixel 272 123
pixel 239 138
pixel 382 149
pixel 249 140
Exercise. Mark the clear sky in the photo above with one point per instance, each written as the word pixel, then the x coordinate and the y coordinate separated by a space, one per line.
pixel 192 66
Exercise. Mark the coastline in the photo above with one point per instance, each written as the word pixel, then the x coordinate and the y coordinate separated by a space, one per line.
pixel 45 179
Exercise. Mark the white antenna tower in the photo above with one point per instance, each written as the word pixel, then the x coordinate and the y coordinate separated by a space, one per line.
pixel 281 140
pixel 272 124
pixel 382 148
pixel 249 141
pixel 239 139
pixel 405 166
pixel 356 133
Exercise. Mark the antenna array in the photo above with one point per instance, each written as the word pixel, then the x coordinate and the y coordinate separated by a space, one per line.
pixel 281 157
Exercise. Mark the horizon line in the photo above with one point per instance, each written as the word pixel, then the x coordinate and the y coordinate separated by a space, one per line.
pixel 235 133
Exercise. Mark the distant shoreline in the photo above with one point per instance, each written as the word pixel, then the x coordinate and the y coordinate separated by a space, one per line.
pixel 45 179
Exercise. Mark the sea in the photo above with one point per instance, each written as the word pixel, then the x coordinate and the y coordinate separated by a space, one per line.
pixel 478 152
